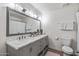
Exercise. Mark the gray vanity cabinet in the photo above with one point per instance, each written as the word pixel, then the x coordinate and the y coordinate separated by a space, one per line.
pixel 32 49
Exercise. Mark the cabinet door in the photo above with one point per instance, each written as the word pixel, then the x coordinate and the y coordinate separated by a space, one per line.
pixel 11 51
pixel 46 39
pixel 43 43
pixel 35 48
pixel 25 51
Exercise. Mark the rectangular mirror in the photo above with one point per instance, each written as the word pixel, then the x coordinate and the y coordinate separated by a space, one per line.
pixel 20 23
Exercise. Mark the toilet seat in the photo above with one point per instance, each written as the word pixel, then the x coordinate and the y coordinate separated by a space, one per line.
pixel 67 50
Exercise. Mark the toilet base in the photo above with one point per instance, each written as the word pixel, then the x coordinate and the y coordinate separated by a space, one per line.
pixel 77 54
pixel 65 54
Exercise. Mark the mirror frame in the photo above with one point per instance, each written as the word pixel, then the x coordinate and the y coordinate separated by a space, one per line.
pixel 7 22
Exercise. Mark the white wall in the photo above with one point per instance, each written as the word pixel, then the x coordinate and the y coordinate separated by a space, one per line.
pixel 51 25
pixel 2 31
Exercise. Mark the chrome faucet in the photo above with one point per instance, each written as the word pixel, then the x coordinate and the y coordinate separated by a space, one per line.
pixel 21 37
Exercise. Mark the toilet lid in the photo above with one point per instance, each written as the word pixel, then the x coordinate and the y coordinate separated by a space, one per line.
pixel 67 49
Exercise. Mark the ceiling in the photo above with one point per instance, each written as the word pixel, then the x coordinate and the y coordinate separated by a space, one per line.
pixel 47 7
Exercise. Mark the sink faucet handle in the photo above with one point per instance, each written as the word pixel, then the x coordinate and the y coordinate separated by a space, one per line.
pixel 19 38
pixel 22 37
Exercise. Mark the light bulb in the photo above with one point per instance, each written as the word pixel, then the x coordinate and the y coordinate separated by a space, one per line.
pixel 35 16
pixel 18 7
pixel 11 5
pixel 39 18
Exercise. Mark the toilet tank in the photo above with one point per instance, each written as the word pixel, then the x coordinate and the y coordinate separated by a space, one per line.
pixel 66 42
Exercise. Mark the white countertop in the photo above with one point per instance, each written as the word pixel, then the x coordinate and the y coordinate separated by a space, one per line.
pixel 16 44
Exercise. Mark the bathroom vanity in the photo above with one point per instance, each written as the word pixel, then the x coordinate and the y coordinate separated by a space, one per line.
pixel 30 46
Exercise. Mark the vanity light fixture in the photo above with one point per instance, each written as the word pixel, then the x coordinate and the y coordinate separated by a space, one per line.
pixel 20 9
pixel 27 12
pixel 31 14
pixel 24 10
pixel 15 7
pixel 35 16
pixel 11 5
pixel 39 17
pixel 43 19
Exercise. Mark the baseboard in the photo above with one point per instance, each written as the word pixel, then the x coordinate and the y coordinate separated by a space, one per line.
pixel 3 54
pixel 56 51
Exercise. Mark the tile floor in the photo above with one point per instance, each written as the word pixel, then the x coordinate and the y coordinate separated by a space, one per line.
pixel 49 53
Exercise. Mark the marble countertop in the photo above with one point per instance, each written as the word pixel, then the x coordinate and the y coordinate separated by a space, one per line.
pixel 16 44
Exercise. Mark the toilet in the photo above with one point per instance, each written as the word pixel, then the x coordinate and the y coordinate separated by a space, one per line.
pixel 67 50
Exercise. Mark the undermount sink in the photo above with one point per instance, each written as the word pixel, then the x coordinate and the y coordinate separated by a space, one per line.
pixel 24 41
pixel 21 41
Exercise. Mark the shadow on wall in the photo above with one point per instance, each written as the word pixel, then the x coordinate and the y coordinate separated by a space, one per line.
pixel 51 43
pixel 73 45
